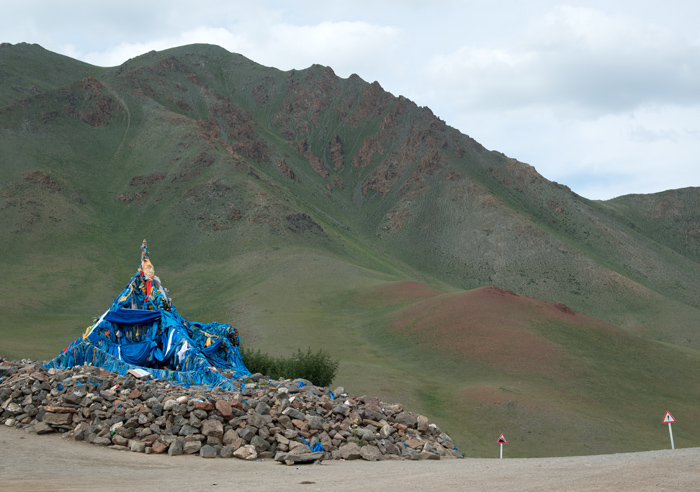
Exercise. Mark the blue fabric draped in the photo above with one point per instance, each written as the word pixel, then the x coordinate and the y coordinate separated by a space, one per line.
pixel 155 336
pixel 132 316
pixel 136 353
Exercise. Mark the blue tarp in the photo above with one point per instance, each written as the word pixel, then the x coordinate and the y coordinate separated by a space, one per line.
pixel 146 332
pixel 132 316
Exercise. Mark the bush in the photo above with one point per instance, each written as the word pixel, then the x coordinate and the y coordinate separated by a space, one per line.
pixel 317 367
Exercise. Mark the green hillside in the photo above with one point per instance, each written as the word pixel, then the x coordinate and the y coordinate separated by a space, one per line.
pixel 292 205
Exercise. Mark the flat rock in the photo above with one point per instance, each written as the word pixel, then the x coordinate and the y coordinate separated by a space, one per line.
pixel 246 452
pixel 370 453
pixel 291 458
pixel 350 451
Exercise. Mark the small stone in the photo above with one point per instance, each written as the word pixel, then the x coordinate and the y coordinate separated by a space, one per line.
pixel 406 419
pixel 291 459
pixel 203 405
pixel 212 427
pixel 229 437
pixel 224 408
pixel 386 431
pixel 246 452
pixel 350 451
pixel 208 452
pixel 427 455
pixel 137 447
pixel 259 444
pixel 58 419
pixel 43 428
pixel 159 447
pixel 370 453
pixel 191 447
pixel 187 430
pixel 176 448
pixel 414 443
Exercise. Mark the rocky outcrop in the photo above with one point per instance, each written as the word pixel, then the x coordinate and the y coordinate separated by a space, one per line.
pixel 291 421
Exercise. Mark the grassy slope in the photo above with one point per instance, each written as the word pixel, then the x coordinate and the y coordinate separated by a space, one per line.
pixel 67 256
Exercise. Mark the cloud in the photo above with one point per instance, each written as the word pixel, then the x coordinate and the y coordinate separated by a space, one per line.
pixel 348 47
pixel 648 150
pixel 579 59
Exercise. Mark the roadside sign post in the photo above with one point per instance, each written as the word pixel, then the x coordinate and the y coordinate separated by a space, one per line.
pixel 668 419
pixel 502 441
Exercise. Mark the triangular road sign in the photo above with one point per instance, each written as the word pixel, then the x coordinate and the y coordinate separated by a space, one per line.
pixel 502 440
pixel 668 418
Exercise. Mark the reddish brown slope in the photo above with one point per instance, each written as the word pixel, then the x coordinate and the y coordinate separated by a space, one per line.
pixel 489 326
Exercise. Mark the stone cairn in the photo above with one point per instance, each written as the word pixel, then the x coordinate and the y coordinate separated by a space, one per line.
pixel 290 421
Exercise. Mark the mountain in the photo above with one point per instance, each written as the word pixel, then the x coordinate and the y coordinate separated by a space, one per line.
pixel 311 210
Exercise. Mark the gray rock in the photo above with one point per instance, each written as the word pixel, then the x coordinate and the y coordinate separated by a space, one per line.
pixel 370 453
pixel 291 459
pixel 229 437
pixel 364 433
pixel 137 447
pixel 176 448
pixel 246 433
pixel 101 441
pixel 43 428
pixel 208 452
pixel 316 423
pixel 262 408
pixel 293 413
pixel 350 451
pixel 386 431
pixel 406 419
pixel 191 447
pixel 212 427
pixel 187 430
pixel 259 444
pixel 58 419
pixel 341 410
pixel 226 452
pixel 169 404
pixel 257 420
pixel 427 455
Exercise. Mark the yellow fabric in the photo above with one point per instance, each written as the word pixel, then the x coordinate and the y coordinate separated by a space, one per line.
pixel 147 268
pixel 126 296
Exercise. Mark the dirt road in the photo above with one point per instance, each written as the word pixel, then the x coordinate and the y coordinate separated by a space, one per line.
pixel 49 463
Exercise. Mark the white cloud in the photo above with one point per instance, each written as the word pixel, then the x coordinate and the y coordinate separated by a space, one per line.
pixel 574 57
pixel 348 47
pixel 645 151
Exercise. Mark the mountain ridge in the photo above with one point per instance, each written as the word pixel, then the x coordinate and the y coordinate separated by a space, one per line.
pixel 285 197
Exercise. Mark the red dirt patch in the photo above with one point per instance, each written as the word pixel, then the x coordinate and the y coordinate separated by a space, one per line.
pixel 489 326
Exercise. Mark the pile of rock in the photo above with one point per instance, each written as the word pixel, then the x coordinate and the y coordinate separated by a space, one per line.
pixel 291 421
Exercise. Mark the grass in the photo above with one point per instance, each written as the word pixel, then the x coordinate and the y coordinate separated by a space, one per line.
pixel 475 218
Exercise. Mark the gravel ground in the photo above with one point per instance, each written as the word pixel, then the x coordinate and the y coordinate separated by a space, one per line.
pixel 49 463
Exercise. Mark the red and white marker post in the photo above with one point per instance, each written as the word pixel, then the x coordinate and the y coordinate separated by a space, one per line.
pixel 668 419
pixel 502 441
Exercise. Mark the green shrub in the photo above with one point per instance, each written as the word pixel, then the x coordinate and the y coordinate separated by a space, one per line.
pixel 317 367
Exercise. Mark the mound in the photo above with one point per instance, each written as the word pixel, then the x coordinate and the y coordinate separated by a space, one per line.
pixel 492 327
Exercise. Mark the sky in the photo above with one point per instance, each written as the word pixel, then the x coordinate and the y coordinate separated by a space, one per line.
pixel 601 96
